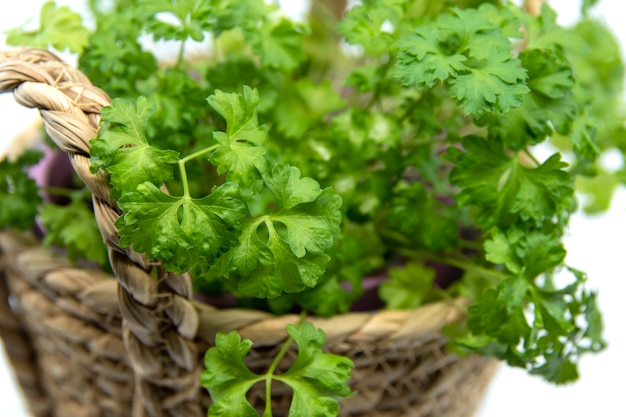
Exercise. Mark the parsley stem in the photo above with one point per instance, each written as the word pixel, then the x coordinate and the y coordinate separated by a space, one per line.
pixel 532 157
pixel 58 191
pixel 183 170
pixel 270 372
pixel 181 54
pixel 464 264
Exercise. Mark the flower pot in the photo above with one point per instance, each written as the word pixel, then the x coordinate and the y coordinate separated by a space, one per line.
pixel 86 343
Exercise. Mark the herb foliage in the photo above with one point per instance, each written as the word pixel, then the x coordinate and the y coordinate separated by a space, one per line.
pixel 301 157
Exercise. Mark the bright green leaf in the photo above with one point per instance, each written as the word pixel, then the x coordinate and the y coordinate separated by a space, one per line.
pixel 59 28
pixel 180 231
pixel 122 147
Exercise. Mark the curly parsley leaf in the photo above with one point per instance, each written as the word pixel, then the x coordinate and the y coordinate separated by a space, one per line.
pixel 536 326
pixel 121 147
pixel 59 27
pixel 177 20
pixel 74 228
pixel 114 60
pixel 359 253
pixel 504 190
pixel 407 287
pixel 544 32
pixel 422 219
pixel 549 105
pixel 319 380
pixel 371 25
pixel 180 231
pixel 526 252
pixel 279 44
pixel 303 106
pixel 284 250
pixel 471 56
pixel 241 151
pixel 493 84
pixel 227 378
pixel 18 192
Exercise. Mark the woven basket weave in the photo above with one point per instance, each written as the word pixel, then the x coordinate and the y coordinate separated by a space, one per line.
pixel 84 343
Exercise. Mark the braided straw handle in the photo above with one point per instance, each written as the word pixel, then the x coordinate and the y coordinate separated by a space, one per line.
pixel 159 321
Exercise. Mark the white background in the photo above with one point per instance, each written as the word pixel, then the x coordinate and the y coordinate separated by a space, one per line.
pixel 595 245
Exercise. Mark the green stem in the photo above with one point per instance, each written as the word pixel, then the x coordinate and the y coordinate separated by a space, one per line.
pixel 270 372
pixel 471 244
pixel 181 54
pixel 199 153
pixel 58 191
pixel 411 108
pixel 532 157
pixel 464 264
pixel 183 169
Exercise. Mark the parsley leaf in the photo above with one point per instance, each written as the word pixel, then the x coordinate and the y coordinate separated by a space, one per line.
pixel 278 43
pixel 493 84
pixel 177 20
pixel 504 190
pixel 284 251
pixel 549 105
pixel 364 25
pixel 114 60
pixel 318 379
pixel 59 27
pixel 74 228
pixel 407 287
pixel 471 55
pixel 121 147
pixel 180 231
pixel 18 192
pixel 303 107
pixel 241 151
pixel 227 378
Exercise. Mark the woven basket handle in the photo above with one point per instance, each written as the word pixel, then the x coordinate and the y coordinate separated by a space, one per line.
pixel 159 321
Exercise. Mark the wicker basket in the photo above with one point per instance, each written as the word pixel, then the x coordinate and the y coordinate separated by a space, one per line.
pixel 84 343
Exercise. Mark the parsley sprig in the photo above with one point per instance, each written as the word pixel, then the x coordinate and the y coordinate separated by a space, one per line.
pixel 319 380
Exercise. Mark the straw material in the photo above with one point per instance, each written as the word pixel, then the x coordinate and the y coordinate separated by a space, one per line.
pixel 87 344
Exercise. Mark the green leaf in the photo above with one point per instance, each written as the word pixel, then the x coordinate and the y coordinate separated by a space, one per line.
pixel 304 106
pixel 284 251
pixel 121 147
pixel 407 287
pixel 549 72
pixel 318 379
pixel 422 219
pixel 177 19
pixel 18 192
pixel 279 44
pixel 549 105
pixel 227 378
pixel 241 151
pixel 59 28
pixel 587 6
pixel 471 55
pixel 494 84
pixel 73 227
pixel 498 250
pixel 421 62
pixel 364 25
pixel 114 60
pixel 505 191
pixel 526 251
pixel 180 231
pixel 500 313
